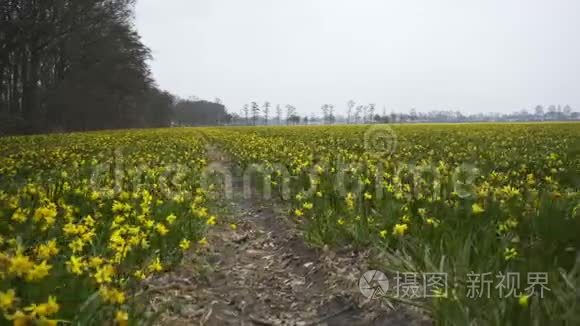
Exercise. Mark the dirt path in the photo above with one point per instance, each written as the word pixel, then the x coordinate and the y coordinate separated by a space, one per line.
pixel 262 273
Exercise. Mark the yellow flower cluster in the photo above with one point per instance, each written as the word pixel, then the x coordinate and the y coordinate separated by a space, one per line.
pixel 84 218
pixel 505 194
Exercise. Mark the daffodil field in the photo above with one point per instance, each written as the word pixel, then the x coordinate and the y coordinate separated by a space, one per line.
pixel 86 219
pixel 493 199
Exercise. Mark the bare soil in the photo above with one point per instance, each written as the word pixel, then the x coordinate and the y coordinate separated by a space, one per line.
pixel 262 273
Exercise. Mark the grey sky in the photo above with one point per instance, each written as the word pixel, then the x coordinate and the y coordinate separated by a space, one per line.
pixel 475 56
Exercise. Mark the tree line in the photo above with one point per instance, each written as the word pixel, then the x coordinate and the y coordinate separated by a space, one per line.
pixel 75 65
pixel 195 112
pixel 263 114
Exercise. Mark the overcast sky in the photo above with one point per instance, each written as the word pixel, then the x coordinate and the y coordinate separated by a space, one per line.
pixel 467 55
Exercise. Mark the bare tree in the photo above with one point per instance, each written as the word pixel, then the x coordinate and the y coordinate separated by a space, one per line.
pixel 290 113
pixel 331 117
pixel 246 111
pixel 349 106
pixel 364 109
pixel 266 111
pixel 255 112
pixel 413 114
pixel 357 113
pixel 371 112
pixel 278 113
pixel 325 116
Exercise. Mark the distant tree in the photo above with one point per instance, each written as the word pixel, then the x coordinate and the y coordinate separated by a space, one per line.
pixel 357 113
pixel 290 112
pixel 567 110
pixel 413 114
pixel 552 113
pixel 539 111
pixel 312 118
pixel 235 118
pixel 255 112
pixel 331 117
pixel 363 113
pixel 371 112
pixel 295 119
pixel 246 111
pixel 349 106
pixel 188 112
pixel 266 111
pixel 227 119
pixel 325 115
pixel 278 113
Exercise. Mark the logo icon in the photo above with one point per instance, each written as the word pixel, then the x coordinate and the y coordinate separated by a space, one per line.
pixel 380 140
pixel 373 284
pixel 464 178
